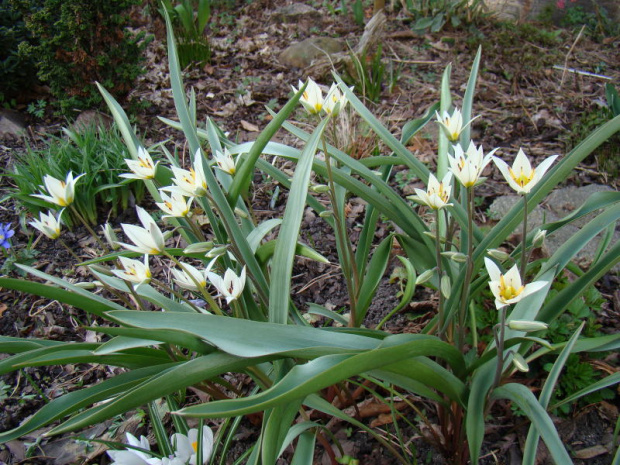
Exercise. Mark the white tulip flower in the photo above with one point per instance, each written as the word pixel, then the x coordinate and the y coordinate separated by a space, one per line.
pixel 192 182
pixel 186 447
pixel 508 288
pixel 452 124
pixel 132 456
pixel 225 161
pixel 60 192
pixel 522 177
pixel 190 277
pixel 134 271
pixel 142 168
pixel 174 205
pixel 48 224
pixel 437 193
pixel 230 286
pixel 148 240
pixel 468 166
pixel 312 98
pixel 335 101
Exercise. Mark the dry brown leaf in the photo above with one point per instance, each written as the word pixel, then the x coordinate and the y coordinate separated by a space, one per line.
pixel 3 308
pixel 249 126
pixel 590 452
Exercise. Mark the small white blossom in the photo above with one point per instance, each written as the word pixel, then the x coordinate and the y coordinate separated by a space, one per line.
pixel 60 192
pixel 521 176
pixel 508 288
pixel 142 168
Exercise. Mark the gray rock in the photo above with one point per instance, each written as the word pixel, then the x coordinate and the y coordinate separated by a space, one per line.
pixel 297 12
pixel 12 124
pixel 302 54
pixel 558 205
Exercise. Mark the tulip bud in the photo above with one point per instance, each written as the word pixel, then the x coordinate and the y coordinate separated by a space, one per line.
pixel 539 238
pixel 198 247
pixel 446 287
pixel 520 363
pixel 240 213
pixel 526 325
pixel 326 214
pixel 216 252
pixel 320 188
pixel 424 277
pixel 457 257
pixel 497 254
pixel 86 285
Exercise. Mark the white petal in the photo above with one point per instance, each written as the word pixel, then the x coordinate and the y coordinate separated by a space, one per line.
pixel 493 270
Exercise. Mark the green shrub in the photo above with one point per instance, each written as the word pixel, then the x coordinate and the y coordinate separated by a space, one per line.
pixel 15 70
pixel 80 42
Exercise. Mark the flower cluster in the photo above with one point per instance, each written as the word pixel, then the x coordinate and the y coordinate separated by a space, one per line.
pixel 312 99
pixel 185 450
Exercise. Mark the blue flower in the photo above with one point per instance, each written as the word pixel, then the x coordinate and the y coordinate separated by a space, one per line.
pixel 5 234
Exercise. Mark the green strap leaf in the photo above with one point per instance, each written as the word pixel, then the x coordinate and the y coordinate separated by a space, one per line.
pixel 282 266
pixel 524 398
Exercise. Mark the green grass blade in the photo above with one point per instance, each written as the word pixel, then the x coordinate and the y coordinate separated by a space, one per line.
pixel 610 380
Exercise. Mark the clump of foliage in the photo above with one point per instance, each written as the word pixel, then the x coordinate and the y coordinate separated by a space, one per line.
pixel 80 42
pixel 190 18
pixel 608 154
pixel 16 70
pixel 97 152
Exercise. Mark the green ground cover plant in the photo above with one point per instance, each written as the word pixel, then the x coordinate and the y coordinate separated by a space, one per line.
pixel 228 308
pixel 95 151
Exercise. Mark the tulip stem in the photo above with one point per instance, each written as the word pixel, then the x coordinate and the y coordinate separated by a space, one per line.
pixel 71 252
pixel 90 230
pixel 439 274
pixel 499 343
pixel 349 267
pixel 524 244
pixel 469 270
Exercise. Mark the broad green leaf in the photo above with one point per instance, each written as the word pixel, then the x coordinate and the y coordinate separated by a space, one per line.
pixel 165 382
pixel 524 398
pixel 16 345
pixel 481 383
pixel 282 264
pixel 586 233
pixel 304 452
pixel 375 270
pixel 243 177
pixel 82 299
pixel 74 401
pixel 303 380
pixel 531 443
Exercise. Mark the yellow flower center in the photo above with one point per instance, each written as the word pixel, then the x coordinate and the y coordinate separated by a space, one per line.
pixel 507 291
pixel 441 193
pixel 195 446
pixel 522 179
pixel 145 163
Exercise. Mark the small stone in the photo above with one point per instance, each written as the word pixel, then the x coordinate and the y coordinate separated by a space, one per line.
pixel 12 124
pixel 302 54
pixel 297 12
